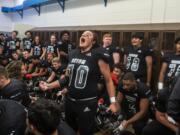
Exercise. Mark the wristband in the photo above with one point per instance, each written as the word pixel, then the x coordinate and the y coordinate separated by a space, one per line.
pixel 121 128
pixel 160 85
pixel 112 99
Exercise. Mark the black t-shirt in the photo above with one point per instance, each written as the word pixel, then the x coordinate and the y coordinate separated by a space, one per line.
pixel 52 48
pixel 37 50
pixel 136 62
pixel 11 45
pixel 131 99
pixel 84 72
pixel 15 90
pixel 173 62
pixel 27 44
pixel 44 64
pixel 112 49
pixel 162 100
pixel 60 71
pixel 174 103
pixel 67 48
pixel 2 44
pixel 26 61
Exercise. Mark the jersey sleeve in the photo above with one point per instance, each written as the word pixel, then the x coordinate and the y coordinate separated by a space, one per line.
pixel 101 54
pixel 115 49
pixel 145 91
pixel 148 51
pixel 166 57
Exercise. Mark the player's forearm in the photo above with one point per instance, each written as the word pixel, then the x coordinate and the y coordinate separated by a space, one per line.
pixel 165 122
pixel 110 88
pixel 63 53
pixel 136 117
pixel 51 78
pixel 53 85
pixel 161 77
pixel 116 58
pixel 149 74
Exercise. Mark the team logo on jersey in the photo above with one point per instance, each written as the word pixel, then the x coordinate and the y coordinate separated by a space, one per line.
pixel 88 54
pixel 27 44
pixel 12 45
pixel 87 109
pixel 139 51
pixel 50 49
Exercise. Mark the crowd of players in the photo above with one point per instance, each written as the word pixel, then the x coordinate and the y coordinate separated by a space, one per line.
pixel 85 73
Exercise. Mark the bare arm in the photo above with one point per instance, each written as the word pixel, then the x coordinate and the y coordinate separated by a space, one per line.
pixel 149 69
pixel 58 53
pixel 119 99
pixel 162 72
pixel 31 53
pixel 144 105
pixel 51 77
pixel 116 57
pixel 40 72
pixel 125 60
pixel 63 53
pixel 105 70
pixel 30 68
pixel 48 86
pixel 44 53
pixel 162 119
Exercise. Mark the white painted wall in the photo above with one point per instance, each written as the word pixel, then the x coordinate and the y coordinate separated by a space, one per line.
pixel 18 2
pixel 6 23
pixel 93 12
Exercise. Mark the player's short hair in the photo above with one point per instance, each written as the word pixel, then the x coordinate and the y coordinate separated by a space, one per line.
pixel 3 72
pixel 107 35
pixel 55 60
pixel 28 32
pixel 15 31
pixel 177 40
pixel 44 115
pixel 139 35
pixel 119 66
pixel 64 32
pixel 14 69
pixel 129 76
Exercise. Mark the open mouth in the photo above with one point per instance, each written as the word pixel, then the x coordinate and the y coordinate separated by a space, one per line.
pixel 82 40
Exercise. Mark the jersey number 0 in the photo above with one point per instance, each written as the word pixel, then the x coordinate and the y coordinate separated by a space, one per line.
pixel 80 76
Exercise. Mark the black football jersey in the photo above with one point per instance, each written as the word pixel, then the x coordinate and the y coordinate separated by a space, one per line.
pixel 112 49
pixel 15 90
pixel 67 48
pixel 11 45
pixel 27 44
pixel 173 62
pixel 136 62
pixel 131 99
pixel 84 72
